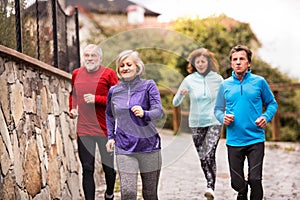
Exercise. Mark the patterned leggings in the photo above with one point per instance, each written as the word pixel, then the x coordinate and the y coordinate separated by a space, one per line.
pixel 206 140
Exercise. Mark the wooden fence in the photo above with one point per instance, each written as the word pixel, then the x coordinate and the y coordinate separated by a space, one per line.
pixel 276 88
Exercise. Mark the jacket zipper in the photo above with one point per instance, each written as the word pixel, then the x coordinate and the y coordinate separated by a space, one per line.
pixel 128 94
pixel 241 89
pixel 204 87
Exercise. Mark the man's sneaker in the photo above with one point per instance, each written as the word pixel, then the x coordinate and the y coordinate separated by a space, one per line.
pixel 209 194
pixel 243 195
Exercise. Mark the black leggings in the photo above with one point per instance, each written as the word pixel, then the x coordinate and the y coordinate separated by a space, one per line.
pixel 236 157
pixel 86 150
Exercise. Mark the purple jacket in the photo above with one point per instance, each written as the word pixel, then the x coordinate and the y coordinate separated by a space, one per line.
pixel 133 134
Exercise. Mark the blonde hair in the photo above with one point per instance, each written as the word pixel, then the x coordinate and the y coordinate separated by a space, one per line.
pixel 213 64
pixel 136 59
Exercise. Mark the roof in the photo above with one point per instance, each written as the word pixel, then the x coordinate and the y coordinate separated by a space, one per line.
pixel 42 9
pixel 107 6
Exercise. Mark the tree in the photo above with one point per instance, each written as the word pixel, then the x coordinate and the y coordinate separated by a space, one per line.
pixel 8 28
pixel 7 25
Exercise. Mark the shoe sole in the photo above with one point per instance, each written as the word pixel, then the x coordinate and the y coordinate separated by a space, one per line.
pixel 209 196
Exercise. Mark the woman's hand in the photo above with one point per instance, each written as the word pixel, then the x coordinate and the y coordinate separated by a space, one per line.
pixel 110 145
pixel 138 111
pixel 184 91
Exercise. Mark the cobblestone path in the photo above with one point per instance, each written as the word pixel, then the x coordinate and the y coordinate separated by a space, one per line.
pixel 183 179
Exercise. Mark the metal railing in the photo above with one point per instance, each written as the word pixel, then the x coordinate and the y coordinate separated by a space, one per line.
pixel 44 31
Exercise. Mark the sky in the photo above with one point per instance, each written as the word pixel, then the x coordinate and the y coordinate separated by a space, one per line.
pixel 276 23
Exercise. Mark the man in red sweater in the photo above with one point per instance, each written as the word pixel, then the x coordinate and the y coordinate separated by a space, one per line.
pixel 90 85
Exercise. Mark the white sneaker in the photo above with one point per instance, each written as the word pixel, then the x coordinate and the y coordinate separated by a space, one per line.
pixel 209 194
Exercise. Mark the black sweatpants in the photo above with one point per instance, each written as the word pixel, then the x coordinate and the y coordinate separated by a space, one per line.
pixel 236 157
pixel 86 150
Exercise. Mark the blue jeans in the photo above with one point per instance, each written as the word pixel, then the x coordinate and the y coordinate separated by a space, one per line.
pixel 236 157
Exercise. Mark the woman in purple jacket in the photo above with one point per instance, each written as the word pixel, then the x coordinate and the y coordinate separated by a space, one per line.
pixel 133 106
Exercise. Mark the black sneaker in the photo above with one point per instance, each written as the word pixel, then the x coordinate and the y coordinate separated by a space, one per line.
pixel 243 195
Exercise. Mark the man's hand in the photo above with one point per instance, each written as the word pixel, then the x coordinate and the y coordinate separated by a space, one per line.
pixel 89 98
pixel 73 113
pixel 261 122
pixel 228 119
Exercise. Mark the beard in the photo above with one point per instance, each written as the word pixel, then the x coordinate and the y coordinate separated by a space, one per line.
pixel 92 66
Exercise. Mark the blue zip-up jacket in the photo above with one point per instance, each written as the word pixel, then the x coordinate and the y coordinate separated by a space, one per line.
pixel 133 134
pixel 245 99
pixel 202 91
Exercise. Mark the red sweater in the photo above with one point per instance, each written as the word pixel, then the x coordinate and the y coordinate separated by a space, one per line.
pixel 91 117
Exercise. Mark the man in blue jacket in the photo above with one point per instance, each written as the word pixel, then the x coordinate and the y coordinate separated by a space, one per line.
pixel 239 106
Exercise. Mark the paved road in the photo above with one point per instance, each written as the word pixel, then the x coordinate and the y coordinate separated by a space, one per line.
pixel 183 179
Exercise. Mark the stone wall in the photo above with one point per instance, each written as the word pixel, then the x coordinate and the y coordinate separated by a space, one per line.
pixel 38 149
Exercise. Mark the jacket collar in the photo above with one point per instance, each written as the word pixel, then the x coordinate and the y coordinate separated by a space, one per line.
pixel 203 75
pixel 246 75
pixel 132 82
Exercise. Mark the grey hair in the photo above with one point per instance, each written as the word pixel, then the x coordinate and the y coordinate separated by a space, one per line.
pixel 94 47
pixel 136 59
